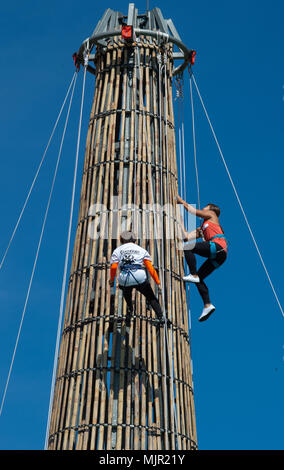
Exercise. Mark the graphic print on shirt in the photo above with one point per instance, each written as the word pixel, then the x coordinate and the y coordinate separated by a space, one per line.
pixel 130 253
pixel 127 258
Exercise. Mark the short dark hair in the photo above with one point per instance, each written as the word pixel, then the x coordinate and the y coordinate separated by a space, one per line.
pixel 215 208
pixel 127 237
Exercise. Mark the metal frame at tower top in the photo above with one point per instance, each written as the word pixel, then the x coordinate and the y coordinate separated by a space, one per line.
pixel 151 24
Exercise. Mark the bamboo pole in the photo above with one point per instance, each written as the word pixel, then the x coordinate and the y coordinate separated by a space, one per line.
pixel 119 388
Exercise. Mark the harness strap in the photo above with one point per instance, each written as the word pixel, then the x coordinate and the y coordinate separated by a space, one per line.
pixel 217 236
pixel 213 250
pixel 129 268
pixel 213 254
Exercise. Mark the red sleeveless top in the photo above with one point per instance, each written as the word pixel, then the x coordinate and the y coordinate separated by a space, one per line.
pixel 210 229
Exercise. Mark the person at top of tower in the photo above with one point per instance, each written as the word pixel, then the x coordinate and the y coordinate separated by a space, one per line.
pixel 213 247
pixel 132 261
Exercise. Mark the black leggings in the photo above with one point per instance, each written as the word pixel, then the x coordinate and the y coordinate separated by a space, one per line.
pixel 145 289
pixel 203 249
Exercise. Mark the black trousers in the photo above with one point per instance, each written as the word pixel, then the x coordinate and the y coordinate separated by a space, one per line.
pixel 203 249
pixel 145 289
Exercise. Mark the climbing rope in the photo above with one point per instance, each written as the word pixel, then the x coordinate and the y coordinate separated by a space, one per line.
pixel 238 198
pixel 156 237
pixel 194 144
pixel 168 219
pixel 182 156
pixel 179 97
pixel 38 248
pixel 37 173
pixel 138 81
pixel 162 277
pixel 63 288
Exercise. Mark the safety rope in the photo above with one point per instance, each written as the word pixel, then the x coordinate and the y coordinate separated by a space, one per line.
pixel 162 280
pixel 182 157
pixel 134 98
pixel 183 150
pixel 156 236
pixel 168 219
pixel 180 97
pixel 38 248
pixel 59 328
pixel 194 144
pixel 238 198
pixel 37 173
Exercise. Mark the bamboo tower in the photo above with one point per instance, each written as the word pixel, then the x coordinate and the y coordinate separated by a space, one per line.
pixel 120 387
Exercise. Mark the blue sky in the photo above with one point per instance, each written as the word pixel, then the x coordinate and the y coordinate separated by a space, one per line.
pixel 238 355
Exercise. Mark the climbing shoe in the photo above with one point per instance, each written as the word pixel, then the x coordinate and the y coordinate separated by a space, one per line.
pixel 207 311
pixel 191 278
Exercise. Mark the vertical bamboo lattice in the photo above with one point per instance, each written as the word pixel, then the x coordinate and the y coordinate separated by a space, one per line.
pixel 119 387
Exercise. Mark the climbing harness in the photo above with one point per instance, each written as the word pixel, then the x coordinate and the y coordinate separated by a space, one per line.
pixel 129 269
pixel 213 250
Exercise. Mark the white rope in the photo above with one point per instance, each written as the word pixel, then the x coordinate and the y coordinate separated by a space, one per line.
pixel 37 252
pixel 163 262
pixel 137 74
pixel 180 149
pixel 179 97
pixel 184 195
pixel 183 161
pixel 238 199
pixel 194 144
pixel 66 262
pixel 152 191
pixel 162 280
pixel 160 68
pixel 182 165
pixel 36 175
pixel 183 152
pixel 169 234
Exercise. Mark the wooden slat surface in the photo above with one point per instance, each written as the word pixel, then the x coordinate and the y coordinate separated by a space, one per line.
pixel 119 387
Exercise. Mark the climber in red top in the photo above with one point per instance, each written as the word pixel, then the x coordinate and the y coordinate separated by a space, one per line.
pixel 213 247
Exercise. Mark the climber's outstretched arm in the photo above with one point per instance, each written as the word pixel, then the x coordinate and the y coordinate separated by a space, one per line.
pixel 203 213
